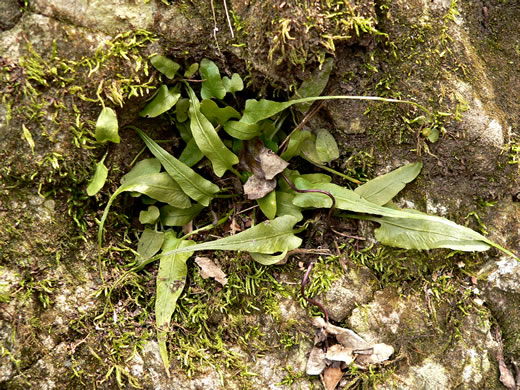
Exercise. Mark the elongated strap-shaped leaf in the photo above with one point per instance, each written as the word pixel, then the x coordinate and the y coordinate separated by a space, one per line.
pixel 268 237
pixel 212 86
pixel 424 229
pixel 257 110
pixel 107 128
pixel 428 233
pixel 162 102
pixel 171 278
pixel 193 184
pixel 158 186
pixel 207 138
pixel 382 189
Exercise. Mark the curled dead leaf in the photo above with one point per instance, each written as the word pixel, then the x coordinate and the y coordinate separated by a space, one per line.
pixel 316 362
pixel 208 269
pixel 331 377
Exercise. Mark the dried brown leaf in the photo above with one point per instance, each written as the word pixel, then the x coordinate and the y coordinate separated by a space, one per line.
pixel 380 353
pixel 271 164
pixel 257 187
pixel 331 377
pixel 339 353
pixel 316 362
pixel 208 269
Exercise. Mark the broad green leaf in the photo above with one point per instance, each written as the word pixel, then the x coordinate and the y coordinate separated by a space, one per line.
pixel 184 128
pixel 295 143
pixel 149 216
pixel 171 278
pixel 159 186
pixel 213 85
pixel 208 140
pixel 242 131
pixel 268 259
pixel 98 180
pixel 382 189
pixel 314 85
pixel 107 128
pixel 175 216
pixel 429 232
pixel 326 146
pixel 164 65
pixel 181 109
pixel 285 206
pixel 268 205
pixel 191 154
pixel 308 149
pixel 268 237
pixel 149 244
pixel 162 102
pixel 143 167
pixel 193 184
pixel 215 114
pixel 235 84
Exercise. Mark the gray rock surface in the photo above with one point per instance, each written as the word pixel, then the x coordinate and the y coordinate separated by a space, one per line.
pixel 438 310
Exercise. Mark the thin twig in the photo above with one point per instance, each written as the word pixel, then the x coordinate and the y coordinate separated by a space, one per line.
pixel 305 119
pixel 215 28
pixel 228 19
pixel 305 280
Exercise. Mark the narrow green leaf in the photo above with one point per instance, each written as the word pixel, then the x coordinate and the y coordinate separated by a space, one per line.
pixel 326 146
pixel 268 205
pixel 216 114
pixel 98 180
pixel 208 140
pixel 107 128
pixel 421 229
pixel 234 84
pixel 382 189
pixel 164 65
pixel 213 85
pixel 314 85
pixel 162 102
pixel 149 244
pixel 268 237
pixel 295 143
pixel 159 186
pixel 150 215
pixel 143 167
pixel 175 216
pixel 257 110
pixel 28 137
pixel 192 69
pixel 171 278
pixel 285 206
pixel 268 259
pixel 193 184
pixel 191 154
pixel 242 131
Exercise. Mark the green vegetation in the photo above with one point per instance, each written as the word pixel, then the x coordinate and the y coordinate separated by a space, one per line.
pixel 282 195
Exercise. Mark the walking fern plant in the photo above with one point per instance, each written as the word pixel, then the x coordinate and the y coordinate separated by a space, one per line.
pixel 251 146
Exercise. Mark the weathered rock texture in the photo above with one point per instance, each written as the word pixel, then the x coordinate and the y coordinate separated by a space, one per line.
pixel 439 310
